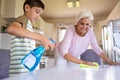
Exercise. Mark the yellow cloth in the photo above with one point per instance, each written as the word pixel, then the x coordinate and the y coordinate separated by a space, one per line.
pixel 87 66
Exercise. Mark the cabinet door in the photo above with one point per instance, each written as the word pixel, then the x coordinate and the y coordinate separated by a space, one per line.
pixel 5 41
pixel 0 7
pixel 11 8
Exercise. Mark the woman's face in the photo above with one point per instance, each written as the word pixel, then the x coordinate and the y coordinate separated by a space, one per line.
pixel 83 26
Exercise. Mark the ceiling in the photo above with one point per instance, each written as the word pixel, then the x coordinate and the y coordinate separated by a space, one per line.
pixel 57 9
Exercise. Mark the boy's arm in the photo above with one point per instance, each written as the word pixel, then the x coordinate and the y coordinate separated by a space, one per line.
pixel 16 29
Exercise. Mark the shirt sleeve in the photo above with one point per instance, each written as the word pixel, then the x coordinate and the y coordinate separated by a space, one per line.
pixel 64 45
pixel 95 45
pixel 22 20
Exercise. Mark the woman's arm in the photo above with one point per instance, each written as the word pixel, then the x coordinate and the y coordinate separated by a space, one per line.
pixel 107 60
pixel 71 58
pixel 100 52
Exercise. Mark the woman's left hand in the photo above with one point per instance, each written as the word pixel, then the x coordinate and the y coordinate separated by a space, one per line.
pixel 112 63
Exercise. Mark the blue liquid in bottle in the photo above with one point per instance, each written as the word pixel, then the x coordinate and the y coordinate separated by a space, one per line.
pixel 32 59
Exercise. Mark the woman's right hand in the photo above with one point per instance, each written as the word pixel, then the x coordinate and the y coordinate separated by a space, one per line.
pixel 89 63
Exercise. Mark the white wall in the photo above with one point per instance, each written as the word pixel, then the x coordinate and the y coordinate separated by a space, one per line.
pixel 61 20
pixel 115 14
pixel 49 29
pixel 98 33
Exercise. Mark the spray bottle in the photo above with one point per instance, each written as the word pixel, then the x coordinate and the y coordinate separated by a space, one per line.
pixel 32 59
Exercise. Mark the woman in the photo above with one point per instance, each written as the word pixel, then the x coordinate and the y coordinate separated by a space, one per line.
pixel 77 39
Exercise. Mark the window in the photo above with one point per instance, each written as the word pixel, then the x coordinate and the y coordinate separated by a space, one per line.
pixel 61 32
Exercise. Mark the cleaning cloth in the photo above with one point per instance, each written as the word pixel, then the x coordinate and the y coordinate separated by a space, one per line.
pixel 87 66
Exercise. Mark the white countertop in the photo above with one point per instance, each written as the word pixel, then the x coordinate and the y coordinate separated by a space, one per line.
pixel 72 73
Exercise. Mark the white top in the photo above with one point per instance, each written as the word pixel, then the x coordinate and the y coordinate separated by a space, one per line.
pixel 76 45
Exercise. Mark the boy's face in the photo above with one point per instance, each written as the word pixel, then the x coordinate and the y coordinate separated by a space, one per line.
pixel 33 13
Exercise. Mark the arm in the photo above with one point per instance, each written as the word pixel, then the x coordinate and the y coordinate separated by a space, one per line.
pixel 73 59
pixel 99 51
pixel 106 59
pixel 77 61
pixel 16 29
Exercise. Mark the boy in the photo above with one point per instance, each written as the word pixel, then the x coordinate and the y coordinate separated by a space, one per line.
pixel 23 39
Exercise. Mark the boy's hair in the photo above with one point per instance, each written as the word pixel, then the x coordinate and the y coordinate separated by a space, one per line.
pixel 33 3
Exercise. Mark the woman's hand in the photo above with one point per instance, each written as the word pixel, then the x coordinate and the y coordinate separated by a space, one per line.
pixel 89 63
pixel 112 63
pixel 107 60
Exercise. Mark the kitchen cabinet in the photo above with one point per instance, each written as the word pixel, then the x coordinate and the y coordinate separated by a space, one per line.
pixel 0 7
pixel 47 62
pixel 5 41
pixel 11 8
